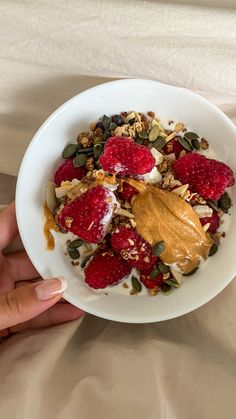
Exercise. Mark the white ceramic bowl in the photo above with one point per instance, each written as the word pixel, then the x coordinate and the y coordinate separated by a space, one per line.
pixel 43 156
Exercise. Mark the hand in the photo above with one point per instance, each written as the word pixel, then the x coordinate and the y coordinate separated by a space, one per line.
pixel 25 300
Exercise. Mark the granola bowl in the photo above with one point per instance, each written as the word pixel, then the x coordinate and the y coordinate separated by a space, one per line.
pixel 183 199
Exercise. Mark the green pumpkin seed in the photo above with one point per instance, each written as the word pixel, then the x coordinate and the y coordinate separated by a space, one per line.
pixel 154 133
pixel 112 126
pixel 213 205
pixel 106 135
pixel 154 272
pixel 158 248
pixel 159 143
pixel 85 150
pixel 136 284
pixel 143 134
pixel 195 144
pixel 69 151
pixel 164 269
pixel 139 140
pixel 74 254
pixel 80 160
pixel 97 151
pixel 166 289
pixel 192 272
pixel 106 121
pixel 97 140
pixel 75 244
pixel 172 283
pixel 191 135
pixel 84 262
pixel 185 143
pixel 213 250
pixel 225 202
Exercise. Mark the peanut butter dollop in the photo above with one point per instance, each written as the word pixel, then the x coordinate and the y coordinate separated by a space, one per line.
pixel 163 215
pixel 49 224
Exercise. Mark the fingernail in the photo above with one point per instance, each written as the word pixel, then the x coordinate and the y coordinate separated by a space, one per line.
pixel 50 287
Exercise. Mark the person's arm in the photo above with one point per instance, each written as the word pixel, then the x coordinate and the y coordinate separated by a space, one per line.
pixel 27 301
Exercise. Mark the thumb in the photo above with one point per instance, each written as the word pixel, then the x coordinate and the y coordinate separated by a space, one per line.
pixel 24 303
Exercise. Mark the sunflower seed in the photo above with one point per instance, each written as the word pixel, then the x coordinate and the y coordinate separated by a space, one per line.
pixel 153 134
pixel 69 151
pixel 158 248
pixel 136 284
pixel 213 249
pixel 185 143
pixel 75 244
pixel 79 160
pixel 191 135
pixel 112 126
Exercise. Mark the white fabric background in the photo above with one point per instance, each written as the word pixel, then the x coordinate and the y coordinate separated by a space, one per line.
pixel 49 51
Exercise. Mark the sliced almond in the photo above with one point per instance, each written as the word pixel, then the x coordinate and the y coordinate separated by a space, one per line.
pixel 177 275
pixel 171 136
pixel 170 157
pixel 157 155
pixel 180 191
pixel 206 226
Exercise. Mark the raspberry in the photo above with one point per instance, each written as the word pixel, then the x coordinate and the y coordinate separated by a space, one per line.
pixel 88 215
pixel 150 283
pixel 133 248
pixel 127 192
pixel 214 220
pixel 106 268
pixel 67 171
pixel 173 146
pixel 122 155
pixel 205 176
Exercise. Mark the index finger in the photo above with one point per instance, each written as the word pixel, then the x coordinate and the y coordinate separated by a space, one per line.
pixel 8 225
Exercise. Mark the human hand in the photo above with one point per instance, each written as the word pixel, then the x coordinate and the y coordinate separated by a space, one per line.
pixel 27 302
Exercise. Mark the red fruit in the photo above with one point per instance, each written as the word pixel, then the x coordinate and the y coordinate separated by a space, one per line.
pixel 205 176
pixel 88 215
pixel 133 248
pixel 67 171
pixel 173 146
pixel 127 192
pixel 214 220
pixel 122 155
pixel 150 283
pixel 106 268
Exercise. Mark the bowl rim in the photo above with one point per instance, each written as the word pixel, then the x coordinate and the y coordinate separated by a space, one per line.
pixel 36 137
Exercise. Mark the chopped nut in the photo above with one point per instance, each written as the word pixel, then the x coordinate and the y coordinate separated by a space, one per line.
pixel 169 181
pixel 182 153
pixel 68 221
pixel 166 275
pixel 151 114
pixel 132 222
pixel 204 144
pixel 133 292
pixel 153 292
pixel 163 166
pixel 90 163
pixel 125 285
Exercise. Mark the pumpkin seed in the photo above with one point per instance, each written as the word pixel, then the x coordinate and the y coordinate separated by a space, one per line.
pixel 74 254
pixel 97 151
pixel 136 284
pixel 213 205
pixel 158 248
pixel 112 126
pixel 196 144
pixel 191 135
pixel 69 151
pixel 225 202
pixel 164 269
pixel 79 160
pixel 84 262
pixel 106 121
pixel 166 289
pixel 143 134
pixel 213 250
pixel 192 272
pixel 85 150
pixel 159 143
pixel 172 283
pixel 153 134
pixel 185 143
pixel 75 244
pixel 154 272
pixel 97 140
pixel 106 135
pixel 139 140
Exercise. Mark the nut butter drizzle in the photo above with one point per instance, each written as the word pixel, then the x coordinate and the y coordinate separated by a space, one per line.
pixel 162 215
pixel 49 224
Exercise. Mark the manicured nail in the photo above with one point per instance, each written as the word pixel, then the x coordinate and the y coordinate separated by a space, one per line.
pixel 50 287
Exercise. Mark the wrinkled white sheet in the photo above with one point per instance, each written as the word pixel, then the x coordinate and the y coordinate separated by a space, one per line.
pixel 178 369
